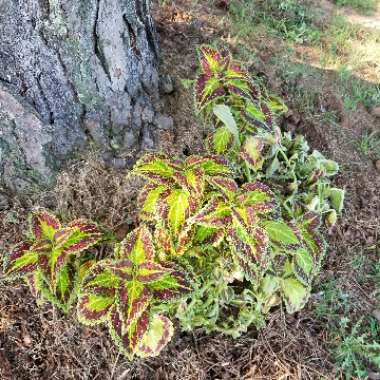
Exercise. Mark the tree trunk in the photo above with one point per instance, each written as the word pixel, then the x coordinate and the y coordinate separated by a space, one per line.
pixel 72 71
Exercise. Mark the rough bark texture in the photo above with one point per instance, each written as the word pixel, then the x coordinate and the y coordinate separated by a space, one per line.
pixel 72 71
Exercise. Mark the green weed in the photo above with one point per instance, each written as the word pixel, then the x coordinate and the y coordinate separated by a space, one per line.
pixel 369 145
pixel 357 348
pixel 361 5
pixel 288 19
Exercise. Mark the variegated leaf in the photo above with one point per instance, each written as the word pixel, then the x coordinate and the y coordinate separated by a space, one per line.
pixel 226 185
pixel 94 308
pixel 211 60
pixel 137 246
pixel 163 240
pixel 184 240
pixel 178 209
pixel 128 338
pixel 150 271
pixel 133 299
pixel 155 168
pixel 215 214
pixel 258 196
pixel 303 263
pixel 148 199
pixel 211 165
pixel 220 141
pixel 34 283
pixel 250 247
pixel 21 261
pixel 159 334
pixel 208 236
pixel 251 152
pixel 171 285
pixel 66 283
pixel 71 241
pixel 43 224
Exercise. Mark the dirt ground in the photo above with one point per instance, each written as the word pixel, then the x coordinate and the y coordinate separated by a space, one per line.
pixel 41 343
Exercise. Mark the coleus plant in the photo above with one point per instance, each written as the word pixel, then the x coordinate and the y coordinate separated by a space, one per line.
pixel 175 191
pixel 246 132
pixel 123 292
pixel 195 202
pixel 298 248
pixel 228 236
pixel 223 302
pixel 52 260
pixel 223 88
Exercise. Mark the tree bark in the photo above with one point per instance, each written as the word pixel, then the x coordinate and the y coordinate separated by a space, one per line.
pixel 72 71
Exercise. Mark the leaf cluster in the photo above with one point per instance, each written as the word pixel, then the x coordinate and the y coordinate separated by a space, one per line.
pixel 52 260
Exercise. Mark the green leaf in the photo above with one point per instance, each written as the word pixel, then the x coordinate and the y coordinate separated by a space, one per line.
pixel 295 294
pixel 224 114
pixel 304 260
pixel 280 232
pixel 255 113
pixel 147 200
pixel 221 140
pixel 336 197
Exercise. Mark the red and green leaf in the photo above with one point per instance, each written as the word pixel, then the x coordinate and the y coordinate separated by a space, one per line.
pixel 226 185
pixel 133 298
pixel 156 168
pixel 249 246
pixel 258 196
pixel 128 338
pixel 148 199
pixel 43 224
pixel 216 214
pixel 21 261
pixel 251 152
pixel 208 236
pixel 137 246
pixel 211 165
pixel 159 334
pixel 94 308
pixel 171 285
